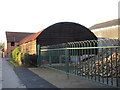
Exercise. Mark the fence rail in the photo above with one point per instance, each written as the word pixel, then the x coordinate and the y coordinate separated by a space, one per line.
pixel 97 60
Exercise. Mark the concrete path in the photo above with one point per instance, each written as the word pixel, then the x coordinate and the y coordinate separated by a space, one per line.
pixel 9 77
pixel 0 73
pixel 61 80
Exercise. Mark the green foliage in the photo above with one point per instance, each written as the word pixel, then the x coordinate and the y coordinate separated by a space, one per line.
pixel 13 63
pixel 15 53
pixel 23 58
pixel 29 60
pixel 1 46
pixel 19 59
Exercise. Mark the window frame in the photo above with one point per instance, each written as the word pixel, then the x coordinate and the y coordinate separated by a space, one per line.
pixel 12 43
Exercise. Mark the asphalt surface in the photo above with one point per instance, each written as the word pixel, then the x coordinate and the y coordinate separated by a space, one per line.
pixel 20 77
pixel 31 80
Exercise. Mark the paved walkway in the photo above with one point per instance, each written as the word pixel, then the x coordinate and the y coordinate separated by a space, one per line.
pixel 9 77
pixel 61 80
pixel 20 77
pixel 31 80
pixel 0 73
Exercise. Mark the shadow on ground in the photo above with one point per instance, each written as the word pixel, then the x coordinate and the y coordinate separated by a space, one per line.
pixel 31 80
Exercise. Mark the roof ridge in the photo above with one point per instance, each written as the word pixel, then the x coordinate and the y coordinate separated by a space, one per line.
pixel 18 32
pixel 107 21
pixel 16 36
pixel 106 24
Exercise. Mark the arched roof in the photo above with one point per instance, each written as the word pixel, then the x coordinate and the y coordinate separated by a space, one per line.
pixel 64 32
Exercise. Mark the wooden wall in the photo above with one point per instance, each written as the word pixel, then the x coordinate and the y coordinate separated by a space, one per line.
pixel 29 47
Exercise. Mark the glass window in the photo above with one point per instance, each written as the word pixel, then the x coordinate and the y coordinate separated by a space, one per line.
pixel 12 43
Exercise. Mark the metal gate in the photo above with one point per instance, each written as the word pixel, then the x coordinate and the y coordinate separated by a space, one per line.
pixel 97 60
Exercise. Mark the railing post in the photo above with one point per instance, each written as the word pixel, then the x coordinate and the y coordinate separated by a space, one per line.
pixel 39 62
pixel 67 60
pixel 119 66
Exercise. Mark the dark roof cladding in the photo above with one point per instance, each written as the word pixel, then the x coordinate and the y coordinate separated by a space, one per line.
pixel 16 36
pixel 64 32
pixel 106 24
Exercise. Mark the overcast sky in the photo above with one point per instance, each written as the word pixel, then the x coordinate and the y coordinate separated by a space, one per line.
pixel 35 15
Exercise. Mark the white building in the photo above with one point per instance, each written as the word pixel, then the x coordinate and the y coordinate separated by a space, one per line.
pixel 108 29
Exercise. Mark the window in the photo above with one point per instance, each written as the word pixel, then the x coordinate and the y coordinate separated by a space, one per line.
pixel 12 43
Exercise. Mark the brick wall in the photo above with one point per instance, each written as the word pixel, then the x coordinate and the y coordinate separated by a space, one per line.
pixel 10 49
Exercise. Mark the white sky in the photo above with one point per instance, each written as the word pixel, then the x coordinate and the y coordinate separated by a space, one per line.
pixel 35 15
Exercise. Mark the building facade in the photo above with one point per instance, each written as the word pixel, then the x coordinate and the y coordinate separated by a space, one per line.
pixel 109 29
pixel 28 44
pixel 12 39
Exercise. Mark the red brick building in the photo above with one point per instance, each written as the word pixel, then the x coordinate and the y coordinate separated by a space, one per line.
pixel 12 39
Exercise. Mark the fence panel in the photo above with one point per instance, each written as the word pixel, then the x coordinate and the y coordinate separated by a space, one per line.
pixel 97 60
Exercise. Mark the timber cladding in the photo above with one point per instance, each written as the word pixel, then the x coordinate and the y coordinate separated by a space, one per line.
pixel 29 47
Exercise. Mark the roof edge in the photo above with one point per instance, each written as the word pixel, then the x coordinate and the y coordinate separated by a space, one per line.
pixel 109 23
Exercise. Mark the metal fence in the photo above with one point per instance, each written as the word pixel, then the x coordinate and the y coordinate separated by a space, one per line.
pixel 97 60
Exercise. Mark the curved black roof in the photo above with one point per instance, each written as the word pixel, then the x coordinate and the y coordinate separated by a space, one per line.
pixel 64 32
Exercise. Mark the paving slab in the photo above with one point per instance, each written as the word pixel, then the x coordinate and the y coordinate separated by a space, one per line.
pixel 61 80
